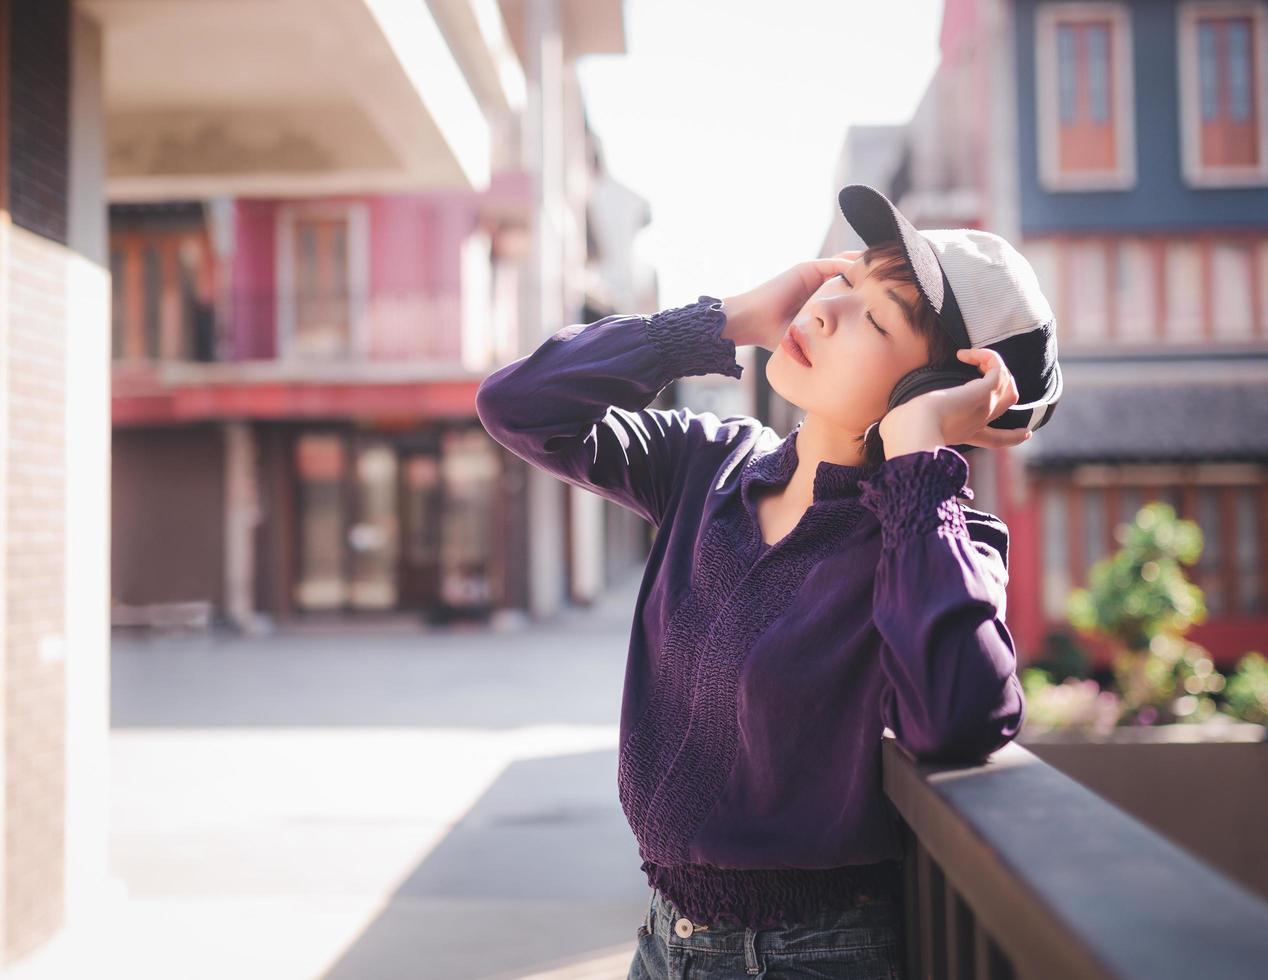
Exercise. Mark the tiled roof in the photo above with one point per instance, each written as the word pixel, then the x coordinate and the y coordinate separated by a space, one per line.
pixel 1162 419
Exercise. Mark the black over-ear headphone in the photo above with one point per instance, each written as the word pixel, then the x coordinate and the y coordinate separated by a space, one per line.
pixel 926 379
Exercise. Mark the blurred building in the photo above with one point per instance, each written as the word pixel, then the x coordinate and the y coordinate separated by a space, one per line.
pixel 1143 203
pixel 295 370
pixel 328 223
pixel 1123 147
pixel 607 541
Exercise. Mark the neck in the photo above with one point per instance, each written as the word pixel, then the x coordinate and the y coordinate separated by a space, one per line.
pixel 819 440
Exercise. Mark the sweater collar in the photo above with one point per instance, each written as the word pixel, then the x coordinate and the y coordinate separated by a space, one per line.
pixel 833 481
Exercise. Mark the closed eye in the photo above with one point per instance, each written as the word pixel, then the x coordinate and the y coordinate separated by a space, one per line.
pixel 869 312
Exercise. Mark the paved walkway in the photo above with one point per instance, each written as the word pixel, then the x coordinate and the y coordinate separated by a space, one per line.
pixel 370 807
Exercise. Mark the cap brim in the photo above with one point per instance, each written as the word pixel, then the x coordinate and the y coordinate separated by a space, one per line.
pixel 875 219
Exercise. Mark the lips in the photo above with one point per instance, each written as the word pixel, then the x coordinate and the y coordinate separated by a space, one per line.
pixel 796 341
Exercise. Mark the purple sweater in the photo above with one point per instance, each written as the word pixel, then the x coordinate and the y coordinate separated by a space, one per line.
pixel 760 677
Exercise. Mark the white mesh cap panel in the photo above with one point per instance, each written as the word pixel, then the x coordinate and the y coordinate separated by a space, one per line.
pixel 995 285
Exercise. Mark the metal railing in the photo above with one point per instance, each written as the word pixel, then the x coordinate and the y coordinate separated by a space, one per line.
pixel 380 327
pixel 1014 870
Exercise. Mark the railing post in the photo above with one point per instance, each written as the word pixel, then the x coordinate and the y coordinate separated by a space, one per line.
pixel 933 947
pixel 959 935
pixel 911 904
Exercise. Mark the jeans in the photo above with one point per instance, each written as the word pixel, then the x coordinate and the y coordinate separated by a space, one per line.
pixel 861 943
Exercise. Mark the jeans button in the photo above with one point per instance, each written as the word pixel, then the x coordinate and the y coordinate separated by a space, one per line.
pixel 684 927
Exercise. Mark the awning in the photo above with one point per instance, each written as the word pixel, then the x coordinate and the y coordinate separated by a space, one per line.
pixel 1174 412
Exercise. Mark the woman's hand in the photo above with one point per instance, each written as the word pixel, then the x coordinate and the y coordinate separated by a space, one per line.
pixel 959 415
pixel 761 315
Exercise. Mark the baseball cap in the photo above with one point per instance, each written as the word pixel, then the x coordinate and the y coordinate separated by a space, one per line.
pixel 986 294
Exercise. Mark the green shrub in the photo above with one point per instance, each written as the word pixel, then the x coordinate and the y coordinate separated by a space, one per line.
pixel 1140 600
pixel 1246 696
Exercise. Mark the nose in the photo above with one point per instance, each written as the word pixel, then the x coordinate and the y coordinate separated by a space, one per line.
pixel 824 311
pixel 807 320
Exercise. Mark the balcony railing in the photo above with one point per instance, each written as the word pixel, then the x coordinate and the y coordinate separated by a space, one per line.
pixel 1014 870
pixel 309 332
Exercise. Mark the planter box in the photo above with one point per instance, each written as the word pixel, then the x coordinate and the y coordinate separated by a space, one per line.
pixel 1204 786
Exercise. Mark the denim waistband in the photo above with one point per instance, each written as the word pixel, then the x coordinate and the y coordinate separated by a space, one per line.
pixel 768 898
pixel 875 922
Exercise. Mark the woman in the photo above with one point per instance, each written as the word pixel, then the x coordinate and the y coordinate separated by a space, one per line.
pixel 802 594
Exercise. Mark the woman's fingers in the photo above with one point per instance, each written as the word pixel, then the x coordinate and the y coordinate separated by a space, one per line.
pixel 992 438
pixel 1002 381
pixel 987 384
pixel 998 388
pixel 827 268
pixel 979 357
pixel 814 273
pixel 985 358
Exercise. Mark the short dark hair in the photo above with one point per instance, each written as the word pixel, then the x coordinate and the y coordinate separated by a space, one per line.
pixel 888 262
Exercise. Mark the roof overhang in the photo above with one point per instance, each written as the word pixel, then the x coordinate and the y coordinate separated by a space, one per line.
pixel 585 27
pixel 1159 408
pixel 285 97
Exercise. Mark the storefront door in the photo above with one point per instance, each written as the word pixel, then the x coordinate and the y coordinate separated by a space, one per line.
pixel 422 502
pixel 349 534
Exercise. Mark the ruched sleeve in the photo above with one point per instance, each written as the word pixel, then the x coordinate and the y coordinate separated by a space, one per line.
pixel 577 406
pixel 952 691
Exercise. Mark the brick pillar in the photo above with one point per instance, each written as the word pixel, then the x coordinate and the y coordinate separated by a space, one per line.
pixel 34 263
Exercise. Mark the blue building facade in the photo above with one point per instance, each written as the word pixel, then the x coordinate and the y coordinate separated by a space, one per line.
pixel 1122 146
pixel 1074 46
pixel 1141 198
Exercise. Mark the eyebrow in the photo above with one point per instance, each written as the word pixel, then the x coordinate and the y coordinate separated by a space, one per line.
pixel 906 307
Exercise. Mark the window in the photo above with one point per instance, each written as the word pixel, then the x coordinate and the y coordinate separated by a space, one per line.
pixel 320 462
pixel 1230 568
pixel 1094 530
pixel 322 279
pixel 322 312
pixel 1130 500
pixel 1232 265
pixel 1043 258
pixel 1207 571
pixel 469 468
pixel 160 287
pixel 1183 281
pixel 505 312
pixel 1084 96
pixel 1079 528
pixel 1087 293
pixel 1134 292
pixel 374 540
pixel 1261 273
pixel 1250 592
pixel 1172 496
pixel 476 265
pixel 1223 116
pixel 1056 556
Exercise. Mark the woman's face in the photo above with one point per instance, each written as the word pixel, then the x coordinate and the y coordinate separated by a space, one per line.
pixel 858 336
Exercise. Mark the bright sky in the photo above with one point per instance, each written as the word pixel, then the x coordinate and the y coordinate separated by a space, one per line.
pixel 729 115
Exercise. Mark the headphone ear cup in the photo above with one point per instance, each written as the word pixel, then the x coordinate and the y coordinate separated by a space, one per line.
pixel 926 379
